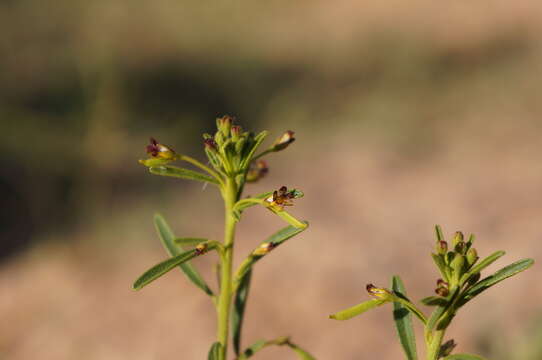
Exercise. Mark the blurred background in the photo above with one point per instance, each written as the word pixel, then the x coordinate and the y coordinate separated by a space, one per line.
pixel 407 114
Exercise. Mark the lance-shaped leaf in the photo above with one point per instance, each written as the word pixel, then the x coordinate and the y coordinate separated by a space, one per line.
pixel 434 301
pixel 189 241
pixel 357 309
pixel 441 265
pixel 168 241
pixel 437 314
pixel 253 349
pixel 165 266
pixel 438 233
pixel 290 219
pixel 301 354
pixel 238 314
pixel 482 265
pixel 173 171
pixel 463 357
pixel 248 157
pixel 403 320
pixel 276 239
pixel 214 351
pixel 497 277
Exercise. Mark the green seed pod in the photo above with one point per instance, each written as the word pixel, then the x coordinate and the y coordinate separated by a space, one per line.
pixel 219 138
pixel 457 265
pixel 472 256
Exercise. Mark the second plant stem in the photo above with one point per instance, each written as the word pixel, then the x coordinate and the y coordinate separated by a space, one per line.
pixel 230 195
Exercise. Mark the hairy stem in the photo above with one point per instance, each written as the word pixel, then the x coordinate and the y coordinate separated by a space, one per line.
pixel 226 293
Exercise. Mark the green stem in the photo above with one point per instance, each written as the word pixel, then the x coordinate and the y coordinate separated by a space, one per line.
pixel 196 163
pixel 224 301
pixel 434 343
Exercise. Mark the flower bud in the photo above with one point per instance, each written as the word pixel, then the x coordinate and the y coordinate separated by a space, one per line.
pixel 224 124
pixel 210 145
pixel 446 348
pixel 442 288
pixel 378 292
pixel 257 171
pixel 458 242
pixel 442 247
pixel 236 132
pixel 472 256
pixel 282 142
pixel 457 265
pixel 160 151
pixel 264 249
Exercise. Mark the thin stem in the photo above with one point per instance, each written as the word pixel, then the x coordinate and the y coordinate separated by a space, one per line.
pixel 202 167
pixel 262 154
pixel 433 346
pixel 224 301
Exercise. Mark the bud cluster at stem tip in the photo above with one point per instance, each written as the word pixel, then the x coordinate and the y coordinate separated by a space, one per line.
pixel 454 260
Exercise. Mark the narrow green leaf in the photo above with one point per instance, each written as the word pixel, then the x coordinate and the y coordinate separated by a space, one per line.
pixel 239 306
pixel 497 277
pixel 302 354
pixel 438 233
pixel 173 171
pixel 441 265
pixel 189 241
pixel 357 309
pixel 277 239
pixel 463 357
pixel 257 141
pixel 435 316
pixel 160 269
pixel 252 349
pixel 434 301
pixel 482 265
pixel 290 219
pixel 168 241
pixel 214 352
pixel 403 320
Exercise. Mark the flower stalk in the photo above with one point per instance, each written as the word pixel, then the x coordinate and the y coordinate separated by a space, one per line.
pixel 231 154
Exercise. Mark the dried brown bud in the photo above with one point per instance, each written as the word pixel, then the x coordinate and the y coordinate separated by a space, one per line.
pixel 201 249
pixel 282 142
pixel 378 292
